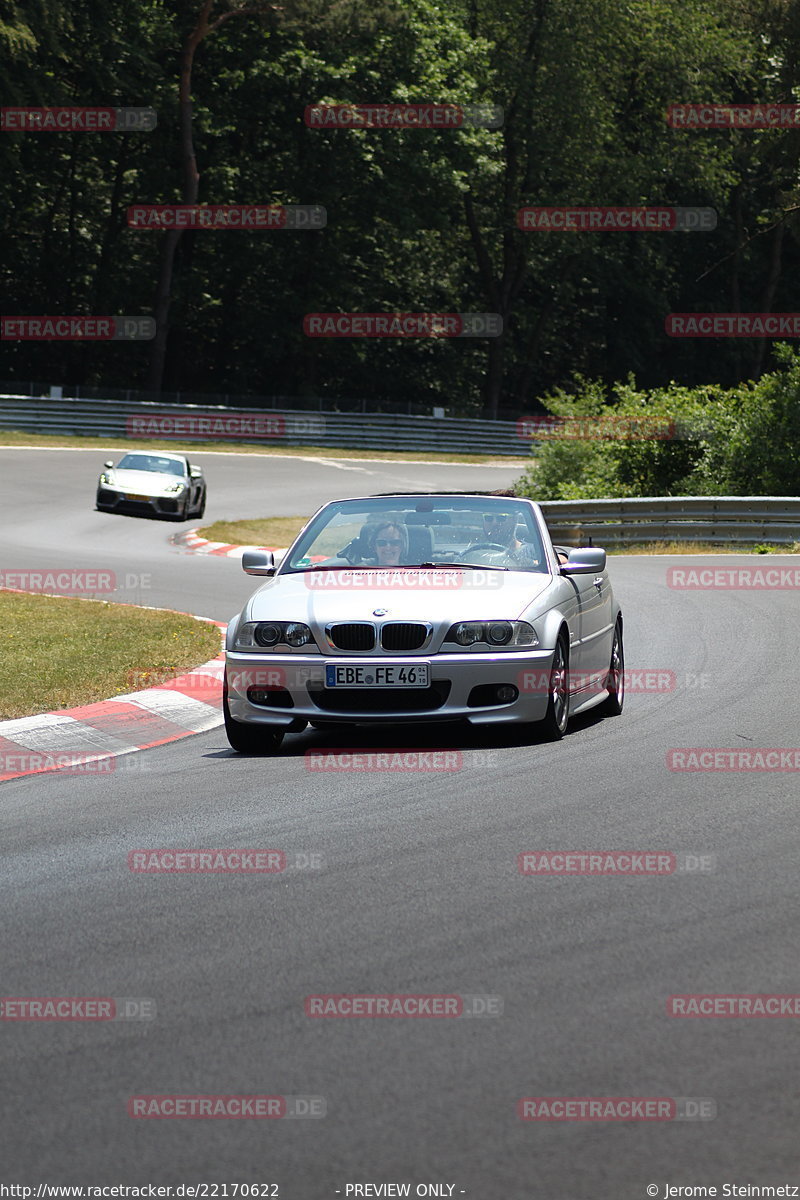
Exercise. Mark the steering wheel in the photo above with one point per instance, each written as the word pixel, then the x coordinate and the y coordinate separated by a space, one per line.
pixel 484 546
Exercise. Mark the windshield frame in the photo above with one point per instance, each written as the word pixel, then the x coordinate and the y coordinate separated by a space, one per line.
pixel 399 505
pixel 177 462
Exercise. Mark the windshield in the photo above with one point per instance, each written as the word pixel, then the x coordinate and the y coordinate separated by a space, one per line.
pixel 151 462
pixel 409 531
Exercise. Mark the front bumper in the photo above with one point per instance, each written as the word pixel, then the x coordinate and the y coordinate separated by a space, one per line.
pixel 114 501
pixel 292 686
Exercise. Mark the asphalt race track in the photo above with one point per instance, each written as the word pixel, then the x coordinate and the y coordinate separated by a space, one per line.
pixel 417 892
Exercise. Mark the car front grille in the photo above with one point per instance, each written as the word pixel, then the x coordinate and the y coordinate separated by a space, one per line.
pixel 353 636
pixel 402 635
pixel 381 700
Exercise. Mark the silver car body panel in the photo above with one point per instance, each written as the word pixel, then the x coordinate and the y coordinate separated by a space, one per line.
pixel 582 605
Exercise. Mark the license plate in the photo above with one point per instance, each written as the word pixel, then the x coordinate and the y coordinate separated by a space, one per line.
pixel 134 496
pixel 372 675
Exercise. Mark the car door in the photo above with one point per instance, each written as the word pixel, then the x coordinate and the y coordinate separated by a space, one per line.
pixel 596 605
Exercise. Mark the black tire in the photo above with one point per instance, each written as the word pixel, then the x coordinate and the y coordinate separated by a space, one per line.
pixel 615 680
pixel 554 725
pixel 201 508
pixel 250 739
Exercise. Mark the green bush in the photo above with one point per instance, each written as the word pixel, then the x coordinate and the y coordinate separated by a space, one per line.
pixel 712 441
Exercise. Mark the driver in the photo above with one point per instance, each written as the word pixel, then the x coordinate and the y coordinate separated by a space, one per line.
pixel 388 544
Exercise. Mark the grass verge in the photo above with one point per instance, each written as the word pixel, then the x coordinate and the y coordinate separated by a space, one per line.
pixel 61 652
pixel 256 531
pixel 14 437
pixel 703 548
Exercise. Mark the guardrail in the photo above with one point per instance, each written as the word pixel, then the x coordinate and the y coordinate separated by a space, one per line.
pixel 726 519
pixel 287 427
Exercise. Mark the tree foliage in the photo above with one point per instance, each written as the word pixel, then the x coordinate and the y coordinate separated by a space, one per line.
pixel 418 220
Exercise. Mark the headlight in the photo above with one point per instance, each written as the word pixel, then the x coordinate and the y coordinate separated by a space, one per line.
pixel 268 634
pixel 496 634
pixel 175 487
pixel 466 633
pixel 297 634
pixel 105 478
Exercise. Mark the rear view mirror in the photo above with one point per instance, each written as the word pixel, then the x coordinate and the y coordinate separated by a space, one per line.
pixel 110 463
pixel 586 560
pixel 195 472
pixel 258 562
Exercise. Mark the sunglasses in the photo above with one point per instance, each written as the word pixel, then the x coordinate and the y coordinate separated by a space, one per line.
pixel 388 542
pixel 490 518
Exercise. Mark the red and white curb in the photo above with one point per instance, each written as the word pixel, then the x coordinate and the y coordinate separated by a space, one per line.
pixel 90 740
pixel 191 541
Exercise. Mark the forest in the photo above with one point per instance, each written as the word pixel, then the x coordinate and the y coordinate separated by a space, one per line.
pixel 417 219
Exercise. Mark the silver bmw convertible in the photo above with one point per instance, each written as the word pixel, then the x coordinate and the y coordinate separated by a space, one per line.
pixel 155 482
pixel 418 608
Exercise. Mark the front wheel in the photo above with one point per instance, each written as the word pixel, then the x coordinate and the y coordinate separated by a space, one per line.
pixel 615 680
pixel 247 738
pixel 556 719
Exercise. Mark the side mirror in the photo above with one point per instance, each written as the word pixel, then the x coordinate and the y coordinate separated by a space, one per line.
pixel 108 464
pixel 195 472
pixel 258 562
pixel 585 561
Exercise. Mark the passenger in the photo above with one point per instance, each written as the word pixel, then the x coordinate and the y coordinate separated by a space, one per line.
pixel 498 527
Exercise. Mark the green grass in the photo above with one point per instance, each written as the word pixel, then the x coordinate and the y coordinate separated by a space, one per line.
pixel 15 437
pixel 255 531
pixel 699 548
pixel 61 652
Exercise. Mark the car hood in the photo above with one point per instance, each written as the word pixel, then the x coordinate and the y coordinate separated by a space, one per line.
pixel 149 483
pixel 407 595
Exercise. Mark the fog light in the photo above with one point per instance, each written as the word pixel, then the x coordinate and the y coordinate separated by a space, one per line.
pixel 506 693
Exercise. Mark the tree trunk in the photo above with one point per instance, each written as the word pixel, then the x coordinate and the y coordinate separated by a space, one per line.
pixel 190 182
pixel 771 286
